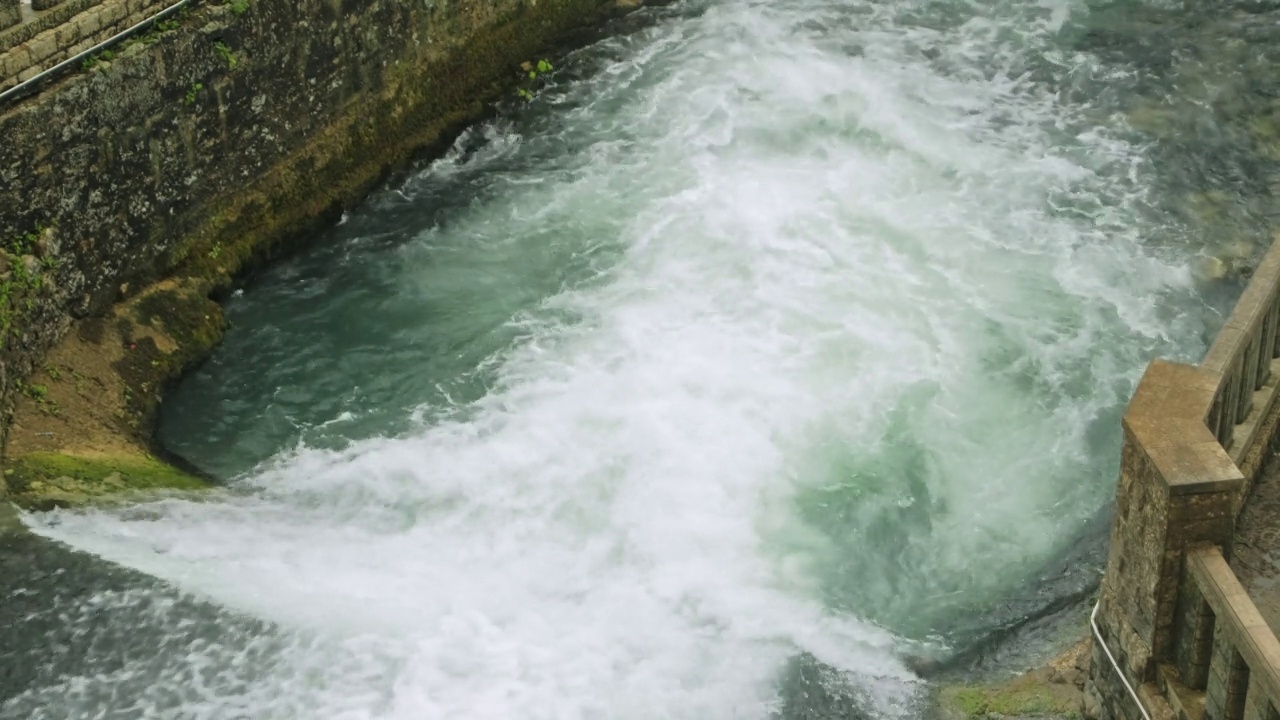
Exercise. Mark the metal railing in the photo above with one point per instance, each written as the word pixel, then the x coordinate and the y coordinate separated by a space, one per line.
pixel 31 84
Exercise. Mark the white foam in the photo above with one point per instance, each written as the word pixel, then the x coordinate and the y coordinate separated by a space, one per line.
pixel 820 248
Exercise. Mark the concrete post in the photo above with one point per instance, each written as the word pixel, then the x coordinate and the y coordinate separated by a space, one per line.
pixel 1177 487
pixel 1228 681
pixel 1195 640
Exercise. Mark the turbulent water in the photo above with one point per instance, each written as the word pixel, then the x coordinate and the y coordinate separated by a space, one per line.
pixel 767 330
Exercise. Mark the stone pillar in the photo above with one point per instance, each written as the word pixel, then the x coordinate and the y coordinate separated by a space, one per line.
pixel 10 13
pixel 1195 641
pixel 1228 681
pixel 1177 487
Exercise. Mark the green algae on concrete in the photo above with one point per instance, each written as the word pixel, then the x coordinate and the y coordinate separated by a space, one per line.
pixel 1050 691
pixel 43 480
pixel 1018 699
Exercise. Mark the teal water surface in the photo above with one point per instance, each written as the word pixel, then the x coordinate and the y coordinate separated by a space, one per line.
pixel 766 329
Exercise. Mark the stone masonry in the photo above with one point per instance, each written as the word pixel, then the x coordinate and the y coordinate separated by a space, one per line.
pixel 64 31
pixel 1177 487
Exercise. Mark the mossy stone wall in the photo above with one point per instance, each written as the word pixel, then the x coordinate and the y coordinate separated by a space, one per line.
pixel 199 149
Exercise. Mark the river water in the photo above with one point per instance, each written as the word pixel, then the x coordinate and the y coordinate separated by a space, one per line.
pixel 769 335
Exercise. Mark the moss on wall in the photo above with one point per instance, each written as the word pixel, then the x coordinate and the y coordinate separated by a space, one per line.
pixel 163 171
pixel 46 480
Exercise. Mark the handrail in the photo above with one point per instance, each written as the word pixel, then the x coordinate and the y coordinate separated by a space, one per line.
pixel 1242 354
pixel 1097 634
pixel 31 82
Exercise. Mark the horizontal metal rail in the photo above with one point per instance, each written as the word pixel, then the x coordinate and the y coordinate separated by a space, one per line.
pixel 31 82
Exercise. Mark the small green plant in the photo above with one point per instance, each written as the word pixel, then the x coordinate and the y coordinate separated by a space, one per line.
pixel 239 7
pixel 532 71
pixel 93 61
pixel 226 53
pixel 52 372
pixel 215 251
pixel 37 392
pixel 192 92
pixel 542 67
pixel 24 277
pixel 24 243
pixel 167 25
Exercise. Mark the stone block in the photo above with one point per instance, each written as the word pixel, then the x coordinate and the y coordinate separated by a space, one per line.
pixel 13 62
pixel 43 47
pixel 112 13
pixel 10 13
pixel 44 4
pixel 89 24
pixel 68 35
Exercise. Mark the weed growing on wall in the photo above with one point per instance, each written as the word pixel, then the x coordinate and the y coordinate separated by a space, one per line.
pixel 23 244
pixel 92 61
pixel 21 280
pixel 532 72
pixel 226 53
pixel 239 7
pixel 192 93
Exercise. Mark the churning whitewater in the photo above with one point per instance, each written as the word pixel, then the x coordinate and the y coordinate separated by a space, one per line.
pixel 769 328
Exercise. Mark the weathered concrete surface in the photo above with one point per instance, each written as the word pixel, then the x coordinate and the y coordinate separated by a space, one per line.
pixel 198 152
pixel 1255 556
pixel 1051 692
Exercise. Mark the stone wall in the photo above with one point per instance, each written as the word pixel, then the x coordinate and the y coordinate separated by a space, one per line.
pixel 1194 439
pixel 65 30
pixel 199 150
pixel 1177 487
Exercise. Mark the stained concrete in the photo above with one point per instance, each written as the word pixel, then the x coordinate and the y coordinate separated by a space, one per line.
pixel 1256 552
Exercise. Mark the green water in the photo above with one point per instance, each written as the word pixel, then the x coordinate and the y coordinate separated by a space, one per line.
pixel 767 330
